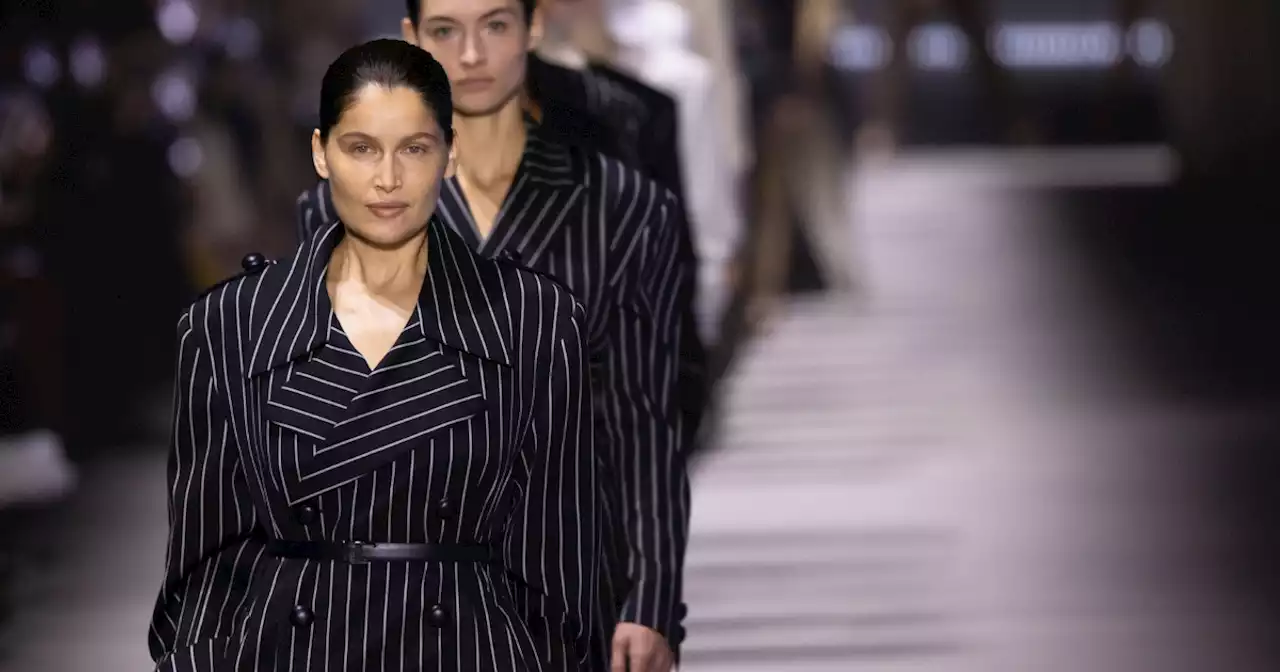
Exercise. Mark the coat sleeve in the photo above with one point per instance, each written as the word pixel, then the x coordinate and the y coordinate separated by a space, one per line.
pixel 663 160
pixel 212 549
pixel 643 413
pixel 553 547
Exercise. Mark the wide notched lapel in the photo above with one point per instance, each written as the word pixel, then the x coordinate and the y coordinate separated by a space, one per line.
pixel 289 319
pixel 346 421
pixel 310 395
pixel 464 303
pixel 545 193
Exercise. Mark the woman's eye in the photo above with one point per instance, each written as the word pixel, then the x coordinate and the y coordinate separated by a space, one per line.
pixel 498 26
pixel 441 32
pixel 361 149
pixel 416 149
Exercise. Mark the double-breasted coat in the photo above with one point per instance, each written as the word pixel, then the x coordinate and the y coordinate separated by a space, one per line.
pixel 615 238
pixel 475 429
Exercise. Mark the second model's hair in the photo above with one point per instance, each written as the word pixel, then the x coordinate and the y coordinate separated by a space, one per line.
pixel 389 64
pixel 414 8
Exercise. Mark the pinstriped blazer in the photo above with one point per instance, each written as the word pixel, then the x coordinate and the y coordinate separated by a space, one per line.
pixel 614 237
pixel 476 428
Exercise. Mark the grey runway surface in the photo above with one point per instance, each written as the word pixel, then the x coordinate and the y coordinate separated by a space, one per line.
pixel 951 471
pixel 959 471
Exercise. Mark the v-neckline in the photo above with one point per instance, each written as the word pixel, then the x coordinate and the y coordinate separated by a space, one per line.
pixel 481 242
pixel 334 319
pixel 368 369
pixel 481 237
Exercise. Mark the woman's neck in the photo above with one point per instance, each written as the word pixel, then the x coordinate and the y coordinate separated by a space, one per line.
pixel 394 273
pixel 490 147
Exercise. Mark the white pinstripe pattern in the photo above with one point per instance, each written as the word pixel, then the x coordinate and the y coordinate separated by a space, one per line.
pixel 605 110
pixel 476 428
pixel 614 237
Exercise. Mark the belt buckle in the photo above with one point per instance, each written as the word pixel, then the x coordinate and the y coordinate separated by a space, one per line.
pixel 354 552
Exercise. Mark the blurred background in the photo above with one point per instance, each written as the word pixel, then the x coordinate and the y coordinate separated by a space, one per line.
pixel 990 284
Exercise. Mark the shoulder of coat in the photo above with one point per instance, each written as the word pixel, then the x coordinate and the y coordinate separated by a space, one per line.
pixel 513 259
pixel 252 264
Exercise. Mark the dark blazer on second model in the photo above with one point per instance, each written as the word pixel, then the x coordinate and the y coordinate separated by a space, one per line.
pixel 614 237
pixel 611 112
pixel 475 429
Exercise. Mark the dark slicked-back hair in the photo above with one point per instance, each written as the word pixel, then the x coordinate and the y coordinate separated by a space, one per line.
pixel 414 8
pixel 387 63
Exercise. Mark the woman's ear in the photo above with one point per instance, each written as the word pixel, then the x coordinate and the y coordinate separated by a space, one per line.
pixel 318 159
pixel 451 166
pixel 409 32
pixel 537 28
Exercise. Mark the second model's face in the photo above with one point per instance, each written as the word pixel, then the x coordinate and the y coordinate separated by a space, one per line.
pixel 482 44
pixel 385 160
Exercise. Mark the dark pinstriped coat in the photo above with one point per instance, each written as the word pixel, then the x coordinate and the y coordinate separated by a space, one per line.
pixel 606 110
pixel 476 428
pixel 613 236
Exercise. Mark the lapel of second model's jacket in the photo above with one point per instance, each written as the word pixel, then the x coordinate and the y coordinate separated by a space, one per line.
pixel 544 195
pixel 343 424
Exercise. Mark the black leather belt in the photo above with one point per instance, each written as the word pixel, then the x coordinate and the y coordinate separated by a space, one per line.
pixel 359 553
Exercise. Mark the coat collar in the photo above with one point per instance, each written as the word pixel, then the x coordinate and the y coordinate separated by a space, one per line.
pixel 457 287
pixel 547 183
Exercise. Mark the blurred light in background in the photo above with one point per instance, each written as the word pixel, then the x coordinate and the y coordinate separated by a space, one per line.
pixel 240 38
pixel 1150 43
pixel 938 47
pixel 1054 46
pixel 41 66
pixel 859 48
pixel 177 20
pixel 175 94
pixel 1019 46
pixel 88 63
pixel 185 157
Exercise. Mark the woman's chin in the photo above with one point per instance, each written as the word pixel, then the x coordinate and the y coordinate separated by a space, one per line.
pixel 387 233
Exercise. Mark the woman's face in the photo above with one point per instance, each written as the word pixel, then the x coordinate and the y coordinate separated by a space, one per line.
pixel 482 44
pixel 384 159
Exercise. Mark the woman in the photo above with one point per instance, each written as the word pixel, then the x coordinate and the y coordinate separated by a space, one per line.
pixel 381 439
pixel 618 240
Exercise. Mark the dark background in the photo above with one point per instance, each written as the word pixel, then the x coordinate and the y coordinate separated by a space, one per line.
pixel 1188 269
